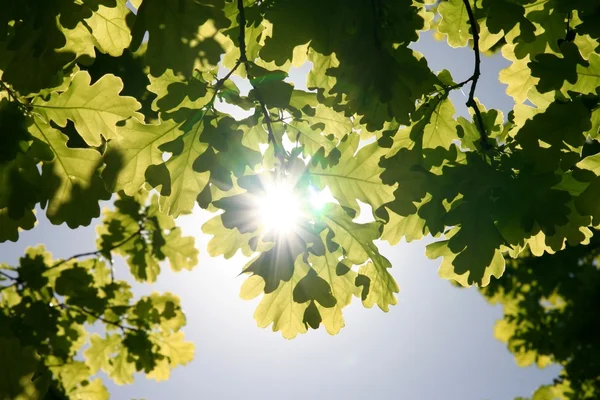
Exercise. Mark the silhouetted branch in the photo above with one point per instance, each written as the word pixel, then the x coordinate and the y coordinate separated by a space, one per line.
pixel 475 77
pixel 98 252
pixel 8 89
pixel 13 96
pixel 99 318
pixel 279 151
pixel 8 276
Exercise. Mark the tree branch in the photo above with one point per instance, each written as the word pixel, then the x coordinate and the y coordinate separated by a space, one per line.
pixel 12 95
pixel 242 35
pixel 98 317
pixel 97 252
pixel 222 81
pixel 8 276
pixel 279 151
pixel 475 78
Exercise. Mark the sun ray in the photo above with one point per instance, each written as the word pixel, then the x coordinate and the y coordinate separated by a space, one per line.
pixel 280 209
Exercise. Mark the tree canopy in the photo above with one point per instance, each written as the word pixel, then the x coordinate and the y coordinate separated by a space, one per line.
pixel 108 99
pixel 550 316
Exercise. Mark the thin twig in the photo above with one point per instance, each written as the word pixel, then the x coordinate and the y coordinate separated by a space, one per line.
pixel 13 96
pixel 98 317
pixel 475 78
pixel 11 93
pixel 8 276
pixel 222 81
pixel 218 86
pixel 97 252
pixel 242 35
pixel 279 151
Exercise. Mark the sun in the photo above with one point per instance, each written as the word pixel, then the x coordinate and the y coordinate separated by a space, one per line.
pixel 280 209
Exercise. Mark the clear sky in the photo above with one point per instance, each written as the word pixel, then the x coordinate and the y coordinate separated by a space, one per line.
pixel 437 343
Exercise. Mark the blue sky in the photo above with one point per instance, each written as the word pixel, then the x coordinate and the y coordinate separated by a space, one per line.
pixel 437 343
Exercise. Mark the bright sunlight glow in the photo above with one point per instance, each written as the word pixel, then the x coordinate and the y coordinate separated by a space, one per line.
pixel 280 209
pixel 318 199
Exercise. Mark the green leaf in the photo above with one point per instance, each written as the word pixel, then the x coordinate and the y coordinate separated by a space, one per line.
pixel 472 255
pixel 411 228
pixel 174 93
pixel 341 283
pixel 10 228
pixel 179 192
pixel 181 34
pixel 98 355
pixel 269 87
pixel 278 264
pixel 517 76
pixel 110 28
pixel 504 15
pixel 357 242
pixel 378 286
pixel 13 129
pixel 553 70
pixel 314 288
pixel 121 369
pixel 137 147
pixel 175 351
pixel 95 109
pixel 355 177
pixel 588 76
pixel 441 129
pixel 278 307
pixel 44 43
pixel 180 251
pixel 71 181
pixel 226 242
pixel 329 121
pixel 591 163
pixel 32 267
pixel 93 390
pixel 455 22
pixel 551 138
pixel 17 369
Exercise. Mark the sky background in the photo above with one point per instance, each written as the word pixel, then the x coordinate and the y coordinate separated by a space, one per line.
pixel 436 343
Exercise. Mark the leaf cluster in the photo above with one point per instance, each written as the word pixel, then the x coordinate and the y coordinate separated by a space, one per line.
pixel 549 316
pixel 47 307
pixel 99 97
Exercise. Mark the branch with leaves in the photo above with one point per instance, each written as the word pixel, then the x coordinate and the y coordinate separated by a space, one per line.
pixel 100 252
pixel 74 293
pixel 376 126
pixel 471 102
pixel 279 151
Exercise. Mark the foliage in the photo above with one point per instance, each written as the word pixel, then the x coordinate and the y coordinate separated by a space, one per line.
pixel 97 98
pixel 550 316
pixel 48 305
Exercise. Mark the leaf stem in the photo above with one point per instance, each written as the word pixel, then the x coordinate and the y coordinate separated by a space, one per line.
pixel 11 93
pixel 279 151
pixel 475 78
pixel 99 318
pixel 98 252
pixel 12 96
pixel 7 276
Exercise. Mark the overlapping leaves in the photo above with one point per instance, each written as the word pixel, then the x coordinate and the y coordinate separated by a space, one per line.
pixel 311 273
pixel 46 305
pixel 377 128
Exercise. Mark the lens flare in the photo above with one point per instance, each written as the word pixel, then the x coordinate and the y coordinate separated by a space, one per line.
pixel 318 199
pixel 280 209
